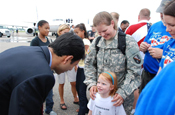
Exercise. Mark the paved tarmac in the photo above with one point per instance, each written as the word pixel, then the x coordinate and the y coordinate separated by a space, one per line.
pixel 22 39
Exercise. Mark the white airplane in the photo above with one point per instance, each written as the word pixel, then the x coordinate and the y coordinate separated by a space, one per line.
pixel 31 27
pixel 54 24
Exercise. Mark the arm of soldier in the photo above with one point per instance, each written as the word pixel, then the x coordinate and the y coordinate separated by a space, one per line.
pixel 133 68
pixel 90 69
pixel 118 99
pixel 93 91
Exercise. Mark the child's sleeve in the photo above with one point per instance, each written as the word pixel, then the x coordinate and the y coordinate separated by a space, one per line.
pixel 119 110
pixel 90 104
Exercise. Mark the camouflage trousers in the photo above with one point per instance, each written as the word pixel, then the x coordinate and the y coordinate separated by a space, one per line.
pixel 128 103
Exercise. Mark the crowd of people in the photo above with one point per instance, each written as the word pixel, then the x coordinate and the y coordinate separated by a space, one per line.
pixel 125 68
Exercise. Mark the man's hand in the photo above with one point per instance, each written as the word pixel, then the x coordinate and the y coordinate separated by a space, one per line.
pixel 93 91
pixel 118 99
pixel 155 52
pixel 144 46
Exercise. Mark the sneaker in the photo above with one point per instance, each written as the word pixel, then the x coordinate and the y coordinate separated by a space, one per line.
pixel 52 113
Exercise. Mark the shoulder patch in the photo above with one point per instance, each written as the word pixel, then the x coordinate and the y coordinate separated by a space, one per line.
pixel 137 59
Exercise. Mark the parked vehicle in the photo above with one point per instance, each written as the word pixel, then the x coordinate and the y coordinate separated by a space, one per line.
pixel 5 32
pixel 0 34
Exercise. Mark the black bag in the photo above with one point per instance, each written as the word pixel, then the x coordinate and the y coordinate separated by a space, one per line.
pixel 121 44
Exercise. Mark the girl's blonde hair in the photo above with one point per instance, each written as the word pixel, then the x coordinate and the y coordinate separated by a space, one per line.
pixel 109 78
pixel 103 18
pixel 62 27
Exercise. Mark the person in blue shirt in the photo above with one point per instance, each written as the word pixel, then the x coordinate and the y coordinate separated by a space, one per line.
pixel 153 47
pixel 158 97
pixel 169 47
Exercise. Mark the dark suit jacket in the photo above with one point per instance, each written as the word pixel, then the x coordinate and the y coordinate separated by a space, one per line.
pixel 25 80
pixel 119 29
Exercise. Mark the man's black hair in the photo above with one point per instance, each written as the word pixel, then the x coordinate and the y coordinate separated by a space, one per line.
pixel 69 44
pixel 124 22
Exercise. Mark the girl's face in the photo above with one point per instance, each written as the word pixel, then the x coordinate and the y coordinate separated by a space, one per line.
pixel 79 32
pixel 169 22
pixel 44 29
pixel 103 86
pixel 107 32
pixel 64 31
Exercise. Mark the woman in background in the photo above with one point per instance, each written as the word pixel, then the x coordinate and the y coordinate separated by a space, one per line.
pixel 42 40
pixel 80 30
pixel 71 75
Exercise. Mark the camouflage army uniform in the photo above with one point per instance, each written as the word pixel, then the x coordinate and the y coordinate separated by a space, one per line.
pixel 110 58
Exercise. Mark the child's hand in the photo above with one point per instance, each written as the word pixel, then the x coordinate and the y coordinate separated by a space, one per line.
pixel 118 100
pixel 93 90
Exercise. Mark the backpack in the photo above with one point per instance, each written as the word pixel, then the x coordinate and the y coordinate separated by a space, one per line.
pixel 121 42
pixel 121 45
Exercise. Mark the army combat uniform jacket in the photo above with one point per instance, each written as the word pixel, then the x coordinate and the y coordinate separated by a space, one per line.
pixel 109 58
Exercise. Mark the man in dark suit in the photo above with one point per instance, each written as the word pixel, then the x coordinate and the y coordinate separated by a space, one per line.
pixel 26 73
pixel 124 24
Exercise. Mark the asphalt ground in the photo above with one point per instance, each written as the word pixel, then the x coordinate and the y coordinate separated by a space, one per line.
pixel 22 39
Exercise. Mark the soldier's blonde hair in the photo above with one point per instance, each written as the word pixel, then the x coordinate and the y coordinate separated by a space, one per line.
pixel 104 18
pixel 108 78
pixel 62 27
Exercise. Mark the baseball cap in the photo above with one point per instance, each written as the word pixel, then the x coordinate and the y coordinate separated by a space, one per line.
pixel 162 6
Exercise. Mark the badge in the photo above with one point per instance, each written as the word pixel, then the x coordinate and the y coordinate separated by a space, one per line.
pixel 137 59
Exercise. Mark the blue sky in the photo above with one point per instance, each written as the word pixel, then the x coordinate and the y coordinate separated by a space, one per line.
pixel 20 11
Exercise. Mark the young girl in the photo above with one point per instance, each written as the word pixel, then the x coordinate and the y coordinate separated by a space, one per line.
pixel 71 75
pixel 106 89
pixel 42 40
pixel 80 30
